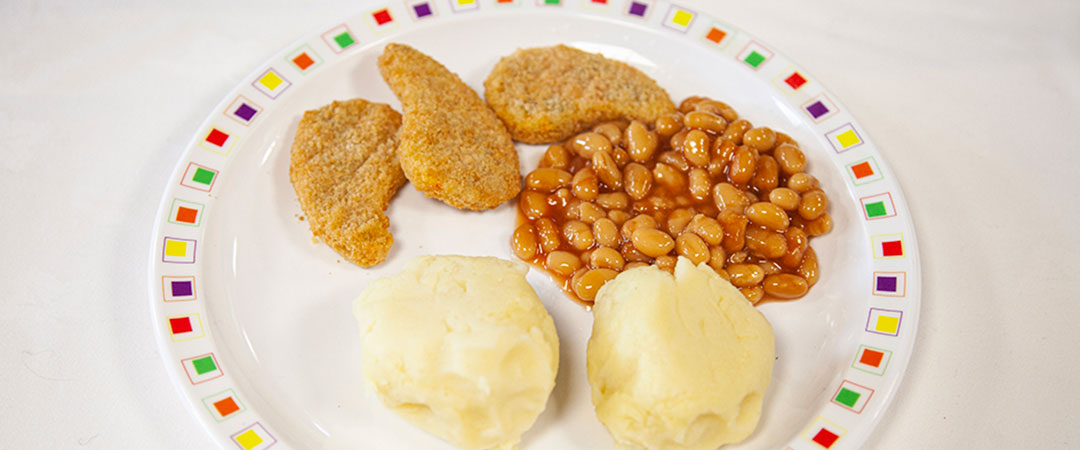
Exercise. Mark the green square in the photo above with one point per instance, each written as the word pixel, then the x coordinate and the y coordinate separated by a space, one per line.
pixel 876 209
pixel 204 365
pixel 203 176
pixel 551 2
pixel 344 39
pixel 847 397
pixel 754 58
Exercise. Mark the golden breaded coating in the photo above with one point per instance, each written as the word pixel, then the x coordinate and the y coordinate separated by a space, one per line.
pixel 451 145
pixel 344 170
pixel 548 94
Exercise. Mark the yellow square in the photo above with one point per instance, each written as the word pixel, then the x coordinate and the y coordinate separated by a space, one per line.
pixel 249 439
pixel 682 18
pixel 270 80
pixel 887 324
pixel 848 138
pixel 465 2
pixel 176 248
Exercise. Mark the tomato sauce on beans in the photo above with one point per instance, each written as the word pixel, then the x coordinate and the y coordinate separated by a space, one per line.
pixel 700 183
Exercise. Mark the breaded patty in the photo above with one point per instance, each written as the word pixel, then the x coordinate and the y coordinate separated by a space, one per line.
pixel 451 145
pixel 547 94
pixel 344 170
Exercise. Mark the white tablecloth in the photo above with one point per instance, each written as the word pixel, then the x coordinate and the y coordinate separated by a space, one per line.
pixel 973 103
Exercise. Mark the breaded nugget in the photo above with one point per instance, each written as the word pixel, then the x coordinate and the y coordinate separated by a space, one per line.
pixel 451 145
pixel 547 94
pixel 344 170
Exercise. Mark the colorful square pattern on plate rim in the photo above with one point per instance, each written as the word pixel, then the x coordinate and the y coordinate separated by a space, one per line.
pixel 189 348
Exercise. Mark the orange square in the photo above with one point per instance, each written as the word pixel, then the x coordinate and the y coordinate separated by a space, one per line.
pixel 716 35
pixel 862 170
pixel 226 406
pixel 186 215
pixel 871 358
pixel 303 61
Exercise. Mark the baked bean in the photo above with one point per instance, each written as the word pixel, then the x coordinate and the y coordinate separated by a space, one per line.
pixel 802 182
pixel 652 242
pixel 784 198
pixel 808 269
pixel 819 226
pixel 768 215
pixel 767 176
pixel 785 285
pixel 666 263
pixel 699 183
pixel 727 196
pixel 607 258
pixel 533 204
pixel 611 131
pixel 548 234
pixel 570 209
pixel 753 294
pixel 783 138
pixel 696 148
pixel 770 267
pixel 619 217
pixel 743 164
pixel 678 220
pixel 556 157
pixel 588 143
pixel 632 254
pixel 678 141
pixel 766 243
pixel 590 282
pixel 813 205
pixel 738 257
pixel 668 124
pixel 585 184
pixel 693 247
pixel 547 179
pixel 585 256
pixel 620 157
pixel 669 177
pixel 761 138
pixel 637 181
pixel 716 167
pixel 791 159
pixel 690 102
pixel 562 263
pixel 606 232
pixel 561 198
pixel 674 159
pixel 705 121
pixel 717 257
pixel 607 170
pixel 578 234
pixel 613 200
pixel 707 228
pixel 640 142
pixel 797 243
pixel 734 230
pixel 745 275
pixel 589 213
pixel 632 225
pixel 523 242
pixel 634 265
pixel 719 108
pixel 735 131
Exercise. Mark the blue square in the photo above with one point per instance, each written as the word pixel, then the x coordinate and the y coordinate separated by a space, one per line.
pixel 638 9
pixel 245 112
pixel 181 288
pixel 817 109
pixel 422 10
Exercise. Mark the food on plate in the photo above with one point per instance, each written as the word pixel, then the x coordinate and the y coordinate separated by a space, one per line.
pixel 546 94
pixel 451 145
pixel 677 362
pixel 700 182
pixel 461 347
pixel 344 170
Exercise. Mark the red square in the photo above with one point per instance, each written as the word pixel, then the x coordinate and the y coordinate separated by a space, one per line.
pixel 795 80
pixel 226 406
pixel 862 170
pixel 825 438
pixel 186 215
pixel 382 16
pixel 602 2
pixel 892 248
pixel 180 325
pixel 871 358
pixel 303 61
pixel 716 35
pixel 217 137
pixel 505 1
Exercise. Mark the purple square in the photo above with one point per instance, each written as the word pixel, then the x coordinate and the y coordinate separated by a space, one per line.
pixel 245 112
pixel 422 10
pixel 638 9
pixel 817 109
pixel 181 288
pixel 886 284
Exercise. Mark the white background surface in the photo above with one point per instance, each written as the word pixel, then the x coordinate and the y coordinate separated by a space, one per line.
pixel 974 105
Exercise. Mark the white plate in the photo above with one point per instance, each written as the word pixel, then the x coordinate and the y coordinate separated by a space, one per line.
pixel 271 356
